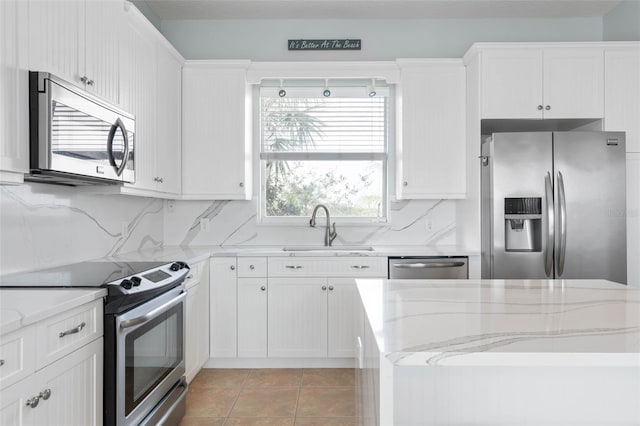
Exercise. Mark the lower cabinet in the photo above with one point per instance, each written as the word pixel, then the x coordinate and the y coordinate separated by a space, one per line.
pixel 197 319
pixel 252 317
pixel 66 392
pixel 223 305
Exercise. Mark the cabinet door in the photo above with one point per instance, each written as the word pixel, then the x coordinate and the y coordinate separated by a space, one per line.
pixel 216 130
pixel 203 316
pixel 252 317
pixel 104 20
pixel 223 297
pixel 574 83
pixel 138 94
pixel 297 317
pixel 169 104
pixel 75 385
pixel 13 403
pixel 191 355
pixel 341 318
pixel 511 83
pixel 431 146
pixel 622 94
pixel 14 83
pixel 57 38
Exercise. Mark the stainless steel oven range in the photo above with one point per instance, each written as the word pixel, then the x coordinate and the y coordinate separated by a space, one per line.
pixel 144 329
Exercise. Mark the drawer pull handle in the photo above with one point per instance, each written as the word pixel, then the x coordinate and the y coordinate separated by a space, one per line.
pixel 428 265
pixel 1 362
pixel 252 267
pixel 360 266
pixel 293 266
pixel 78 329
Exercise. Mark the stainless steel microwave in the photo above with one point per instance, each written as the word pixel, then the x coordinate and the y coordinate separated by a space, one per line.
pixel 76 138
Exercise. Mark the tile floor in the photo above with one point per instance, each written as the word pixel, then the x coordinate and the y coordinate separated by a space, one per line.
pixel 273 397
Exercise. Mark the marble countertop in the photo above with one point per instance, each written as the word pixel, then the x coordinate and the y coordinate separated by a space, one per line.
pixel 198 253
pixel 504 322
pixel 22 307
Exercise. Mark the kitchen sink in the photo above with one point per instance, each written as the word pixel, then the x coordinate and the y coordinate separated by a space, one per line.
pixel 328 248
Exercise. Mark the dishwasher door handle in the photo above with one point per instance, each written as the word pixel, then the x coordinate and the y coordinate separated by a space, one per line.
pixel 422 265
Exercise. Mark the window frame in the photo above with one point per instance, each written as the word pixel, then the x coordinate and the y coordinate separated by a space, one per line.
pixel 303 221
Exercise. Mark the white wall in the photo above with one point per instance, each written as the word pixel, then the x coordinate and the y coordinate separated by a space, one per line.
pixel 266 39
pixel 623 22
pixel 49 225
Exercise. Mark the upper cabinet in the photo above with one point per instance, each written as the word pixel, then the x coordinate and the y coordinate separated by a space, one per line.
pixel 14 83
pixel 150 87
pixel 216 131
pixel 622 92
pixel 534 83
pixel 78 41
pixel 430 144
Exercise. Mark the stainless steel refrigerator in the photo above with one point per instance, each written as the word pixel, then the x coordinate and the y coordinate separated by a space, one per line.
pixel 554 205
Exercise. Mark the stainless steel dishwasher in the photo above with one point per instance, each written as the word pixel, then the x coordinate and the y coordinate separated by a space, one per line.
pixel 428 268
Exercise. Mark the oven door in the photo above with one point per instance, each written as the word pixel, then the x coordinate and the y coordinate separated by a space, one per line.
pixel 150 354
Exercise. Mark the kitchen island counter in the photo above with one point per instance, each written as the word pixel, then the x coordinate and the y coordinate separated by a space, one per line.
pixel 499 352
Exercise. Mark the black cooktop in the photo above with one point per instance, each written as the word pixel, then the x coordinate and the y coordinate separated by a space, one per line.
pixel 82 274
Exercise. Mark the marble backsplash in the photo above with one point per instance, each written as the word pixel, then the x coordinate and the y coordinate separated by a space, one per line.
pixel 421 222
pixel 50 225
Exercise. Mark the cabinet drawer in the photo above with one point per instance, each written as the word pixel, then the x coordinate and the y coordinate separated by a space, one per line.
pixel 64 333
pixel 327 267
pixel 252 267
pixel 17 355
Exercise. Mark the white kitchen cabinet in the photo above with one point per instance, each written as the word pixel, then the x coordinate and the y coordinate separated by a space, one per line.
pixel 202 332
pixel 216 131
pixel 532 82
pixel 430 146
pixel 622 92
pixel 252 317
pixel 191 331
pixel 341 320
pixel 78 41
pixel 223 306
pixel 297 317
pixel 197 319
pixel 14 85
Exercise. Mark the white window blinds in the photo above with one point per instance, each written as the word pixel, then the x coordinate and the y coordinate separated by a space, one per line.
pixel 306 125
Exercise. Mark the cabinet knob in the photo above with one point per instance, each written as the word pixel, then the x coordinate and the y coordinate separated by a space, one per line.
pixel 241 184
pixel 405 183
pixel 233 268
pixel 548 107
pixel 83 79
pixel 330 288
pixel 1 362
pixel 45 394
pixel 91 82
pixel 189 276
pixel 263 288
pixel 539 107
pixel 324 287
pixel 252 267
pixel 33 402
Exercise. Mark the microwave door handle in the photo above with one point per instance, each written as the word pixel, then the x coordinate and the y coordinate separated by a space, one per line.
pixel 112 133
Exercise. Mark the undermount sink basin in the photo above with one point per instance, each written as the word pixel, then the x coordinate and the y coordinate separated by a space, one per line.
pixel 328 248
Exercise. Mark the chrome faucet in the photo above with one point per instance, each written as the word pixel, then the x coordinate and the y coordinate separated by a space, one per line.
pixel 329 235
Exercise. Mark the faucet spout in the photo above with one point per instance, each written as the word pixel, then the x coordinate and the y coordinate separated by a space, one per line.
pixel 329 233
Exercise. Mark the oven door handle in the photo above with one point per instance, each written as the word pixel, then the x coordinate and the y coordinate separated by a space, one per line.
pixel 153 313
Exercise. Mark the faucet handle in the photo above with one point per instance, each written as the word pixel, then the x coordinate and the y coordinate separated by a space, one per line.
pixel 333 234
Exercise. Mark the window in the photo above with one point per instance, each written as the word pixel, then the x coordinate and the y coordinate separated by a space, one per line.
pixel 323 150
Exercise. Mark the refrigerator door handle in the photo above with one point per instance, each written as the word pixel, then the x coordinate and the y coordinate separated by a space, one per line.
pixel 562 242
pixel 548 256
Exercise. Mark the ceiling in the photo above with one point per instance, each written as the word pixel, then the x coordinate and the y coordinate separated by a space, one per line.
pixel 377 9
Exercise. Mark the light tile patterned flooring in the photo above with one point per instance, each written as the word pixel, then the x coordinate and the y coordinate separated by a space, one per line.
pixel 273 397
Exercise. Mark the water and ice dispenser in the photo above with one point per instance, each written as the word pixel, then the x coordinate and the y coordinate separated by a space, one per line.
pixel 523 224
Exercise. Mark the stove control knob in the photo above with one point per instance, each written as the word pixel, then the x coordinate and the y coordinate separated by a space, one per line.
pixel 175 267
pixel 136 281
pixel 126 284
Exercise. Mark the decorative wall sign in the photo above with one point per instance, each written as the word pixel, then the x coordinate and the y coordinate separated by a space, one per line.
pixel 325 44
